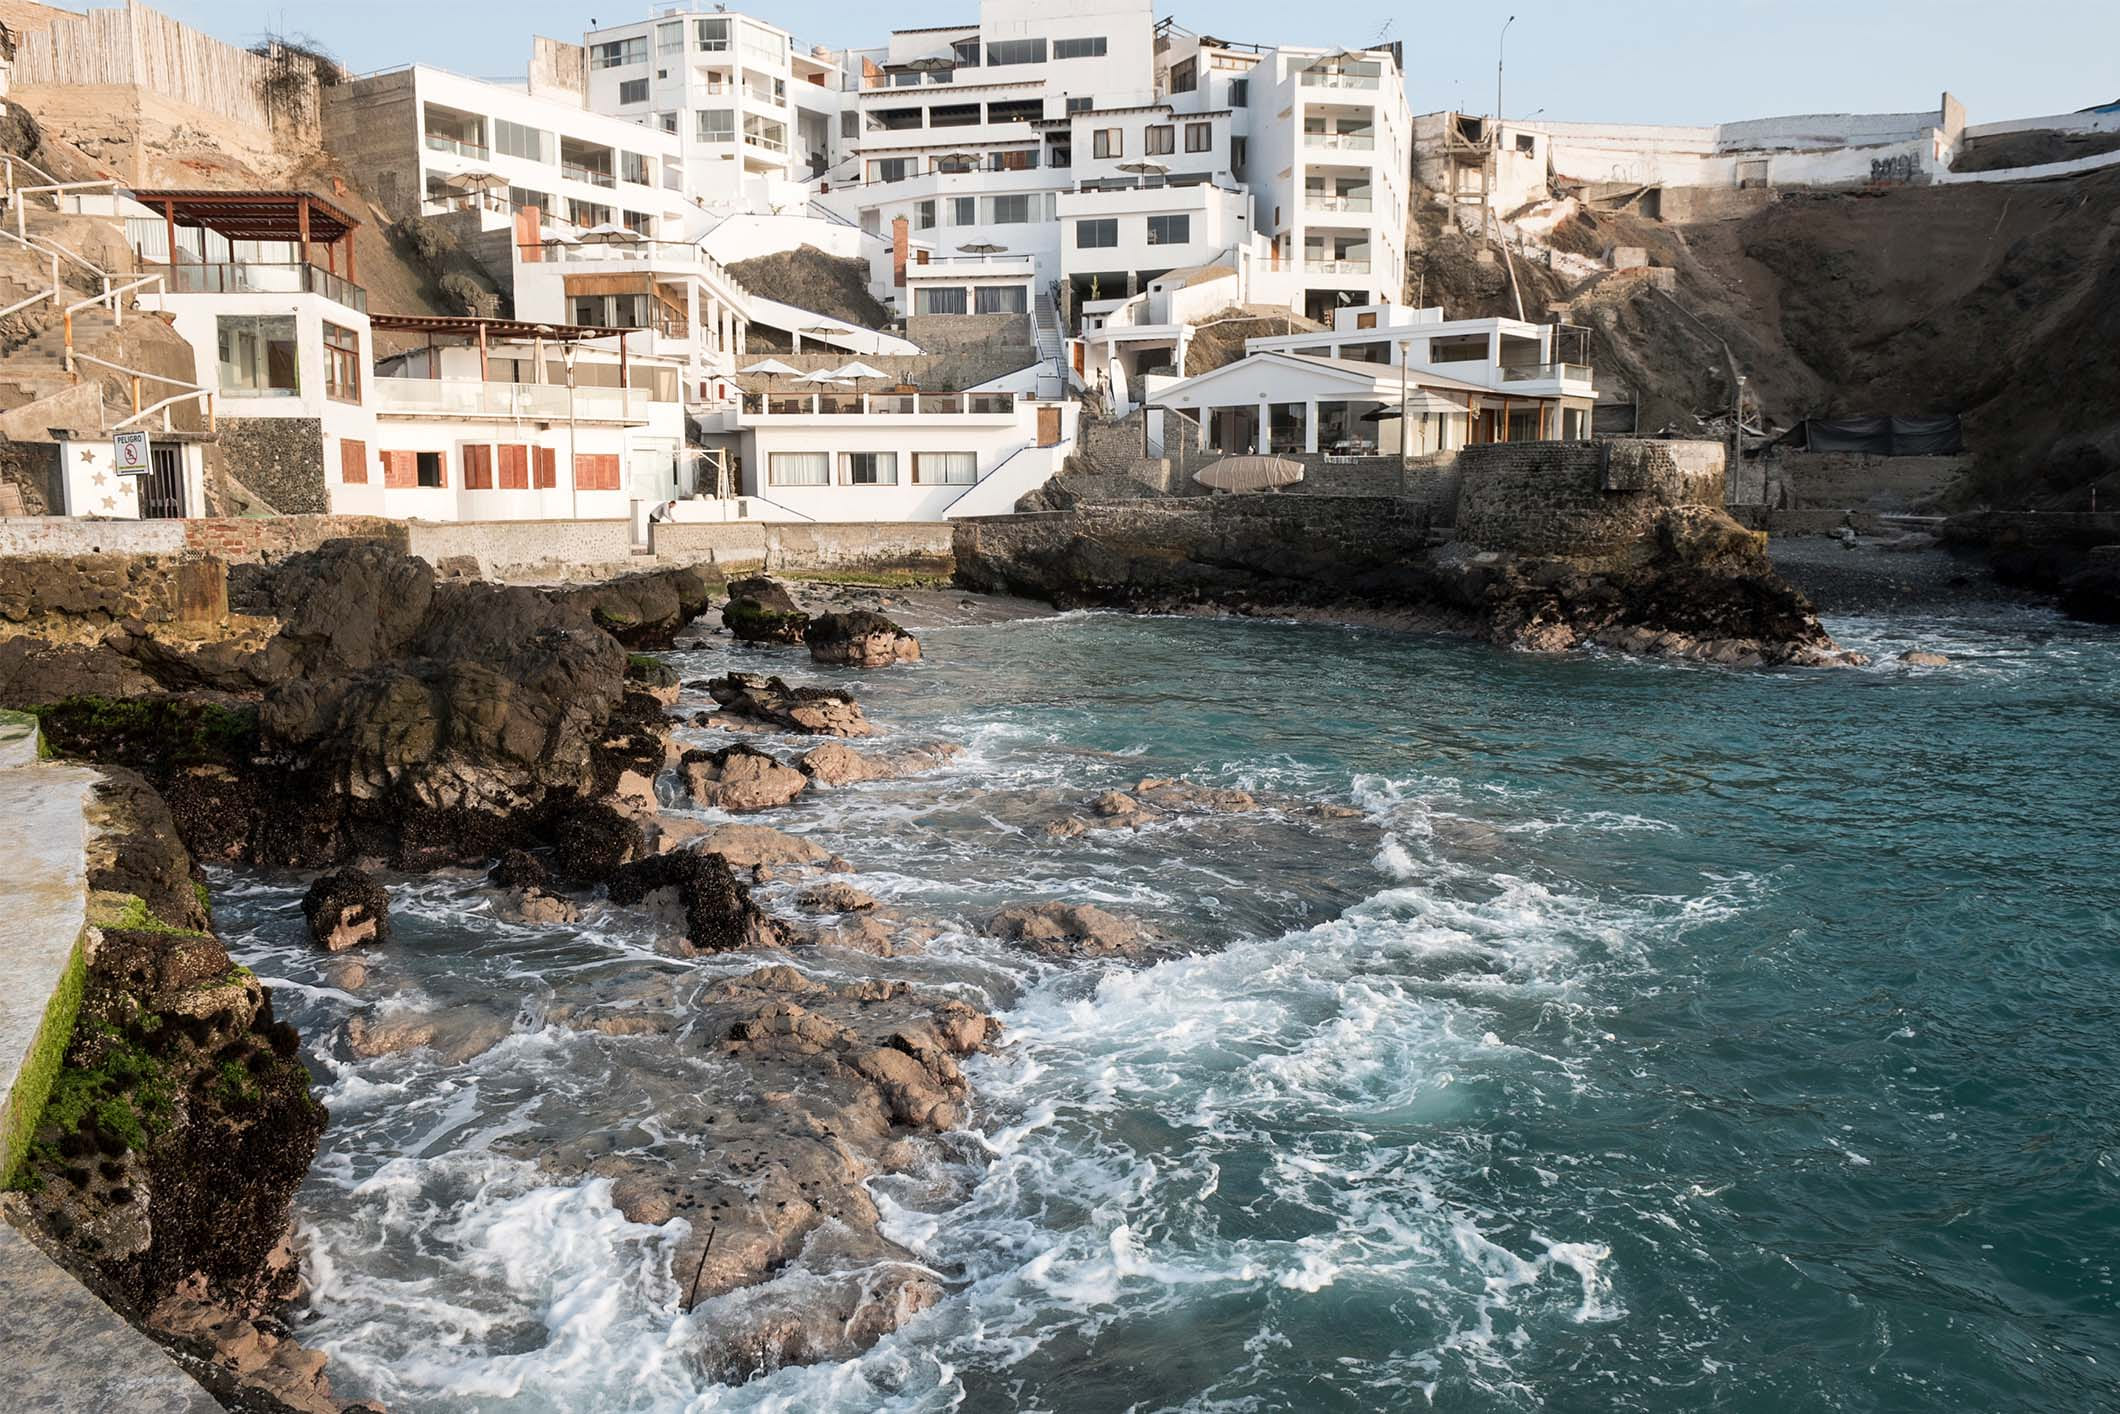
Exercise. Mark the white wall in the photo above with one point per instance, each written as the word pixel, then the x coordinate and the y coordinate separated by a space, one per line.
pixel 994 440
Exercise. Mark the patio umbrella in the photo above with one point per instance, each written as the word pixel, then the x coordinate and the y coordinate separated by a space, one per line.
pixel 771 367
pixel 610 233
pixel 1146 166
pixel 983 248
pixel 1249 473
pixel 474 181
pixel 821 375
pixel 858 370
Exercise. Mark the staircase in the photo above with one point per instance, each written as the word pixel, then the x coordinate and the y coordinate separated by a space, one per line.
pixel 1052 345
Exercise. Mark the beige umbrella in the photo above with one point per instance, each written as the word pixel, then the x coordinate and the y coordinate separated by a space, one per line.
pixel 1249 473
pixel 475 181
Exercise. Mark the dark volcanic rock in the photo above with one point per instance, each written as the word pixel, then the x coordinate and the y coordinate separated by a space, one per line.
pixel 770 702
pixel 716 907
pixel 861 639
pixel 761 611
pixel 645 610
pixel 346 909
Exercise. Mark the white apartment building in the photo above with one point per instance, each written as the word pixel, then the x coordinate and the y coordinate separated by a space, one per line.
pixel 431 143
pixel 756 115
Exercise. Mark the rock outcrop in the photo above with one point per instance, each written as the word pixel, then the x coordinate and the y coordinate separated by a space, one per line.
pixel 835 765
pixel 761 611
pixel 860 639
pixel 645 610
pixel 750 702
pixel 701 895
pixel 740 778
pixel 346 909
pixel 1071 930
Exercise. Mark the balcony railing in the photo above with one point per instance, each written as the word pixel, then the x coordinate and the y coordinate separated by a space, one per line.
pixel 1319 201
pixel 255 278
pixel 763 97
pixel 1341 142
pixel 1320 78
pixel 1576 372
pixel 1316 266
pixel 575 172
pixel 770 144
pixel 507 402
pixel 880 404
pixel 442 142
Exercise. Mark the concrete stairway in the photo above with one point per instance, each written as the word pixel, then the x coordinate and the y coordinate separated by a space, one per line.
pixel 1052 346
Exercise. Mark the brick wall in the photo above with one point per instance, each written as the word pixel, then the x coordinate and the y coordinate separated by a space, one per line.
pixel 1579 498
pixel 923 545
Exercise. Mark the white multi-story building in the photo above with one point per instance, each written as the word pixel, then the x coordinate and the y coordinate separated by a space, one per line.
pixel 756 114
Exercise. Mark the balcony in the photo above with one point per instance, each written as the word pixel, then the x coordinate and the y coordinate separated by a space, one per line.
pixel 1320 201
pixel 442 142
pixel 1317 265
pixel 594 178
pixel 761 140
pixel 256 278
pixel 1326 78
pixel 1547 372
pixel 922 405
pixel 506 402
pixel 1341 142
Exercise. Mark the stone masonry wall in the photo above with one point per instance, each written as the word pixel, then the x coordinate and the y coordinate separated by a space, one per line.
pixel 919 545
pixel 239 541
pixel 99 590
pixel 1580 498
pixel 280 458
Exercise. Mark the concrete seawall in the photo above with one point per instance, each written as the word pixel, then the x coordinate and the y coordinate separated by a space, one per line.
pixel 67 1352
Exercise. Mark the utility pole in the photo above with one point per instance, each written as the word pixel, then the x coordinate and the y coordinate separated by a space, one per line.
pixel 1494 139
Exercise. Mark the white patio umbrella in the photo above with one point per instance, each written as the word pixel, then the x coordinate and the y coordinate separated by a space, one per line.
pixel 821 376
pixel 1249 473
pixel 771 367
pixel 858 370
pixel 610 233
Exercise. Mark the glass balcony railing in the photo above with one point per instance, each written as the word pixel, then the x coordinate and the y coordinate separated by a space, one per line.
pixel 258 278
pixel 1327 78
pixel 1322 201
pixel 575 172
pixel 1341 142
pixel 880 404
pixel 466 397
pixel 442 142
pixel 1317 265
pixel 761 140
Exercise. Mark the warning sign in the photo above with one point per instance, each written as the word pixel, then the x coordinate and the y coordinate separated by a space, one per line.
pixel 129 453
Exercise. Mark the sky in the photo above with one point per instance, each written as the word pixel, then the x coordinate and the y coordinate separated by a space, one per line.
pixel 1642 61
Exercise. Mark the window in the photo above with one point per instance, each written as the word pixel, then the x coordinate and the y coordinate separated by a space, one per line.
pixel 1023 161
pixel 1185 77
pixel 1009 210
pixel 713 34
pixel 869 468
pixel 638 221
pixel 522 197
pixel 353 462
pixel 431 468
pixel 515 468
pixel 587 213
pixel 478 467
pixel 948 299
pixel 619 52
pixel 1199 137
pixel 1015 51
pixel 1107 142
pixel 966 53
pixel 259 356
pixel 342 364
pixel 799 469
pixel 891 169
pixel 598 472
pixel 1001 299
pixel 1161 140
pixel 669 40
pixel 632 167
pixel 955 162
pixel 964 211
pixel 1240 93
pixel 1239 148
pixel 668 121
pixel 924 216
pixel 849 126
pixel 717 125
pixel 1100 234
pixel 633 91
pixel 1080 105
pixel 515 140
pixel 1091 48
pixel 945 468
pixel 547 468
pixel 1169 230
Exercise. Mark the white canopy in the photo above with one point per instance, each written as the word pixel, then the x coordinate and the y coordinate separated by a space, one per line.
pixel 821 375
pixel 858 369
pixel 610 233
pixel 771 365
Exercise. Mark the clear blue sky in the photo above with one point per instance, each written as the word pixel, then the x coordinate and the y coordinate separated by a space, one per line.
pixel 1668 61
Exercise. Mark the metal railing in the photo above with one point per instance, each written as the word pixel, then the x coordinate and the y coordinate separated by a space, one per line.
pixel 262 277
pixel 879 404
pixel 536 402
pixel 1341 142
pixel 187 390
pixel 442 142
pixel 770 144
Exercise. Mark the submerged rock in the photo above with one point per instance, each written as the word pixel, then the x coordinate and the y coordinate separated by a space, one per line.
pixel 740 778
pixel 861 639
pixel 835 897
pixel 705 898
pixel 1071 930
pixel 1921 658
pixel 761 847
pixel 761 611
pixel 835 765
pixel 749 700
pixel 346 909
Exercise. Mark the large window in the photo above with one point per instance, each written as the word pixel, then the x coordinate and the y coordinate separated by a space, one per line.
pixel 342 364
pixel 632 167
pixel 1240 93
pixel 1021 160
pixel 893 169
pixel 945 468
pixel 1092 48
pixel 799 468
pixel 633 91
pixel 964 211
pixel 1107 142
pixel 869 468
pixel 1002 299
pixel 717 125
pixel 924 216
pixel 259 356
pixel 619 52
pixel 1099 234
pixel 966 53
pixel 1161 140
pixel 520 197
pixel 515 140
pixel 1010 210
pixel 948 299
pixel 1015 51
pixel 1080 105
pixel 1199 137
pixel 714 34
pixel 1169 230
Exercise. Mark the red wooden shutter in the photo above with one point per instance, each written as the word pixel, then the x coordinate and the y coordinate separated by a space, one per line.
pixel 547 468
pixel 353 462
pixel 401 469
pixel 598 471
pixel 478 467
pixel 515 468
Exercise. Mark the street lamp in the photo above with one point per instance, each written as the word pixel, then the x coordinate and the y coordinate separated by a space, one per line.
pixel 1500 47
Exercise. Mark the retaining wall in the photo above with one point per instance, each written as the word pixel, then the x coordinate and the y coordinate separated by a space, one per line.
pixel 1580 498
pixel 500 546
pixel 243 540
pixel 789 546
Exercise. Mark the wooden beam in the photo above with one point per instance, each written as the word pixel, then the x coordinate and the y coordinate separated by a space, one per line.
pixel 169 225
pixel 301 222
pixel 482 354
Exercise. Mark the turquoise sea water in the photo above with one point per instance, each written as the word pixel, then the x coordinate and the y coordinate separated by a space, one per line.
pixel 1662 1038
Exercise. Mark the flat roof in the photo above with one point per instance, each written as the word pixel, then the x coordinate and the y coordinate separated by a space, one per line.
pixel 251 215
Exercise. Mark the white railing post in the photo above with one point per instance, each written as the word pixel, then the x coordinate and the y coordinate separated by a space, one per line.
pixel 55 278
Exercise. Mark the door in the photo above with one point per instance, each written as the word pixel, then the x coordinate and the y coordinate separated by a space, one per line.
pixel 162 489
pixel 1048 426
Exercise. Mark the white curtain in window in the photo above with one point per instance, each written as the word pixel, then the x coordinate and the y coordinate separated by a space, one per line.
pixel 945 468
pixel 800 468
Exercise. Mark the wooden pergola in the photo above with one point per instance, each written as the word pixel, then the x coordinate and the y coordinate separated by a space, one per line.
pixel 297 217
